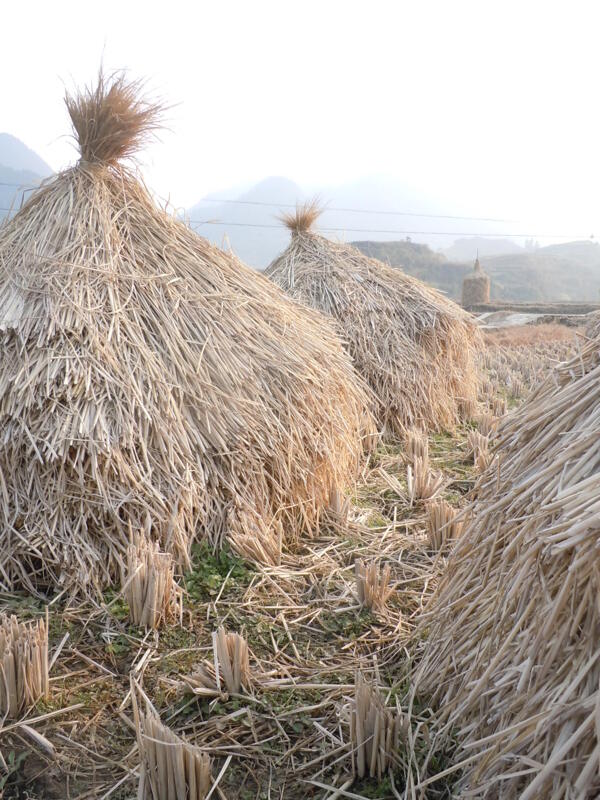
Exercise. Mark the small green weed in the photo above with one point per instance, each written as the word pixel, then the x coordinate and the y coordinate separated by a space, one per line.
pixel 14 762
pixel 210 570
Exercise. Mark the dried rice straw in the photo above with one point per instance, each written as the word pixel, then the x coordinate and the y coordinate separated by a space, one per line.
pixel 150 588
pixel 150 380
pixel 413 346
pixel 171 768
pixel 512 659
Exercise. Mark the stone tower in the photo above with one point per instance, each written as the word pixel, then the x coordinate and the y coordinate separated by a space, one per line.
pixel 476 287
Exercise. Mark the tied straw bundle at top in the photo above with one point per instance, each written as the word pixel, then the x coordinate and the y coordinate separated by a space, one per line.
pixel 413 346
pixel 148 380
pixel 512 654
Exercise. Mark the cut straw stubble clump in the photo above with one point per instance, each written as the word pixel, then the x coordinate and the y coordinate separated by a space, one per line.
pixel 229 671
pixel 375 731
pixel 487 424
pixel 467 408
pixel 444 525
pixel 171 768
pixel 416 445
pixel 423 483
pixel 151 381
pixel 372 584
pixel 23 665
pixel 478 445
pixel 517 388
pixel 511 659
pixel 498 406
pixel 413 346
pixel 150 589
pixel 339 505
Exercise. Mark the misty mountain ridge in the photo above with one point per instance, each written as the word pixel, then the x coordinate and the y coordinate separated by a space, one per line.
pixel 19 157
pixel 364 208
pixel 20 167
pixel 467 249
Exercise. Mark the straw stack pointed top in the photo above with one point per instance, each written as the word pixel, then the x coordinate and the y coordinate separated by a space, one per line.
pixel 112 120
pixel 303 218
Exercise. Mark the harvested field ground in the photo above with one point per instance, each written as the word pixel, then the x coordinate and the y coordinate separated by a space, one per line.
pixel 530 334
pixel 288 735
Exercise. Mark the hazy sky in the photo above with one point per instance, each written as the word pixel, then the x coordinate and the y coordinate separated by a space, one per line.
pixel 494 104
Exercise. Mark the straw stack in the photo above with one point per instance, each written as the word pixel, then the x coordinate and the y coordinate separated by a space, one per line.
pixel 23 665
pixel 512 658
pixel 150 588
pixel 414 347
pixel 171 768
pixel 592 328
pixel 148 379
pixel 476 287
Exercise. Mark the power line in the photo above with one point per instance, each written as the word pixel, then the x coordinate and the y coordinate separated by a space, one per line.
pixel 359 210
pixel 401 233
pixel 363 230
pixel 384 230
pixel 356 211
pixel 24 186
pixel 326 208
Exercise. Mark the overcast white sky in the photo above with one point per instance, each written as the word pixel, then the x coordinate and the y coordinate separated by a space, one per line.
pixel 494 103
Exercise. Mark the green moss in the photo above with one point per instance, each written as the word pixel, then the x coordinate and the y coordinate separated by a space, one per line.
pixel 119 646
pixel 14 762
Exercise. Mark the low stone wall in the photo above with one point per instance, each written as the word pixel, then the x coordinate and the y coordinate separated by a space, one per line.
pixel 561 309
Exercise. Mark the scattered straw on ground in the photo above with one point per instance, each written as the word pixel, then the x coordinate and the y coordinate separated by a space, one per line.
pixel 308 633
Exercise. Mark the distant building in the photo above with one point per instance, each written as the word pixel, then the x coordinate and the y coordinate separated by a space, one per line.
pixel 476 287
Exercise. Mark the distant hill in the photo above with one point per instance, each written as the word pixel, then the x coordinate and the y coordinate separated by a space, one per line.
pixel 567 272
pixel 373 211
pixel 17 156
pixel 20 167
pixel 249 226
pixel 468 249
